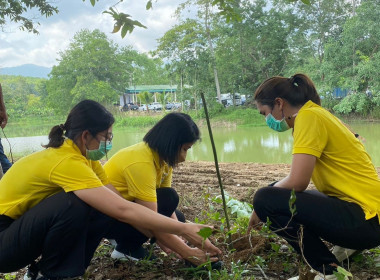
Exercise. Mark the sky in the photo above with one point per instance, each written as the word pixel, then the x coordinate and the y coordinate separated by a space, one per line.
pixel 56 32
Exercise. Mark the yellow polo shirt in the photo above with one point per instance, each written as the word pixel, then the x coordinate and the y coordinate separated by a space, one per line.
pixel 137 171
pixel 343 168
pixel 42 174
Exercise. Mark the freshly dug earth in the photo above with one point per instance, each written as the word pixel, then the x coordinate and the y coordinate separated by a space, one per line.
pixel 263 257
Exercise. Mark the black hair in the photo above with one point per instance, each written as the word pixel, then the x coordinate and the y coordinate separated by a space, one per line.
pixel 169 134
pixel 297 90
pixel 86 115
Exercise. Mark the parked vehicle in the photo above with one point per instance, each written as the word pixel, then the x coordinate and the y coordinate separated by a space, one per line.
pixel 142 107
pixel 156 106
pixel 169 106
pixel 177 105
pixel 133 107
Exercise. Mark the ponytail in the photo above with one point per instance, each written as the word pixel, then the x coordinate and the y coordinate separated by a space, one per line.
pixel 305 88
pixel 56 137
pixel 297 90
pixel 86 115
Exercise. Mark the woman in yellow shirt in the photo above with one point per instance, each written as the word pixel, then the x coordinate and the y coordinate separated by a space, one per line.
pixel 142 173
pixel 346 209
pixel 56 204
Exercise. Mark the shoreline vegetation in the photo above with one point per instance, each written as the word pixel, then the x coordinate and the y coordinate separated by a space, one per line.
pixel 240 116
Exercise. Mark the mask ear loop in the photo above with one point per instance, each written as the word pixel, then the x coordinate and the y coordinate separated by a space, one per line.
pixel 10 146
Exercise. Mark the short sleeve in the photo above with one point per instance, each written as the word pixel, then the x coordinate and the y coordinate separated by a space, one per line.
pixel 99 171
pixel 310 135
pixel 75 173
pixel 141 181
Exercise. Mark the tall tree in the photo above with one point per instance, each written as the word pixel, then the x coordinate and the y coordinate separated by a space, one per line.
pixel 353 59
pixel 89 68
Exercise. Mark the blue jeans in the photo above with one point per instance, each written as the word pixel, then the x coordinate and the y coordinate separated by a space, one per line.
pixel 5 163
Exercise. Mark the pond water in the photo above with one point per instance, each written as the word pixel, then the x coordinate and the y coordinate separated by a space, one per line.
pixel 252 144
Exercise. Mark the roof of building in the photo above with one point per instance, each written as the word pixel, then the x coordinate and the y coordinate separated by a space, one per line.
pixel 151 88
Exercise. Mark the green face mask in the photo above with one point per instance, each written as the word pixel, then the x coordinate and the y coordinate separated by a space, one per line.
pixel 277 125
pixel 97 154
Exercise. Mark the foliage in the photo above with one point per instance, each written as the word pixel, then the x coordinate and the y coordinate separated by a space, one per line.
pixel 146 98
pixel 17 11
pixel 137 121
pixel 354 103
pixel 24 96
pixel 88 69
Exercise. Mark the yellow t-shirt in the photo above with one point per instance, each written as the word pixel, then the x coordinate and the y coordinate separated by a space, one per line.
pixel 136 172
pixel 42 174
pixel 343 168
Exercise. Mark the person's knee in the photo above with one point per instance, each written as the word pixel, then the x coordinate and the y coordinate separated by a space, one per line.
pixel 70 208
pixel 168 196
pixel 262 201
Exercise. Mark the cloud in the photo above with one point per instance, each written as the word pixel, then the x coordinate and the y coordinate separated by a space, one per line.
pixel 18 47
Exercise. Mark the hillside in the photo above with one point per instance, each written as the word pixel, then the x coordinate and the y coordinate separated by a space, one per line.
pixel 26 70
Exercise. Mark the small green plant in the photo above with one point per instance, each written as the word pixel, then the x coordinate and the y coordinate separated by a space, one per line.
pixel 8 276
pixel 342 274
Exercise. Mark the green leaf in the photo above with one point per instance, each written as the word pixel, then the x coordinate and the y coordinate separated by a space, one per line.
pixel 149 5
pixel 92 2
pixel 116 27
pixel 137 23
pixel 307 2
pixel 205 232
pixel 292 200
pixel 126 28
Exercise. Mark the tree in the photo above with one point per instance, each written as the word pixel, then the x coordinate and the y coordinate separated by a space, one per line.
pixel 89 68
pixel 146 98
pixel 353 59
pixel 16 11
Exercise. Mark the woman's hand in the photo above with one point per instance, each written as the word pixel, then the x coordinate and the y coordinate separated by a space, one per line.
pixel 190 233
pixel 167 250
pixel 197 257
pixel 253 221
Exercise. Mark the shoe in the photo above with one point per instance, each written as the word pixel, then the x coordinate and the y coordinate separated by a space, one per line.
pixel 39 276
pixel 325 277
pixel 32 273
pixel 112 242
pixel 319 276
pixel 136 255
pixel 342 254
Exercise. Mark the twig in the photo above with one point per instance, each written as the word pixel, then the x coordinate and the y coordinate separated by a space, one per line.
pixel 216 166
pixel 262 271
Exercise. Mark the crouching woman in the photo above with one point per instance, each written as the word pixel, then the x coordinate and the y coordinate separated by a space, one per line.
pixel 55 204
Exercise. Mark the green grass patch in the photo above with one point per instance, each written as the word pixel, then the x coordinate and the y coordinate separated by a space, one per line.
pixel 242 116
pixel 137 121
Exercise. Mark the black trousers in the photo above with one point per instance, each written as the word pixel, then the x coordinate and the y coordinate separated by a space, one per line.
pixel 322 218
pixel 128 238
pixel 62 229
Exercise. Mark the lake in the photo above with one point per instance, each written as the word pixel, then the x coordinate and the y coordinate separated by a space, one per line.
pixel 242 144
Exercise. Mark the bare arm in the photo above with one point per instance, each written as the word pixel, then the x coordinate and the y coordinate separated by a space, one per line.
pixel 109 203
pixel 112 188
pixel 175 243
pixel 300 173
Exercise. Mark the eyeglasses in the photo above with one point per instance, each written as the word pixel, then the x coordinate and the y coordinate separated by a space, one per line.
pixel 109 136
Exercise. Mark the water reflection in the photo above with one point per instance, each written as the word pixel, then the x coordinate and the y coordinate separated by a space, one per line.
pixel 254 144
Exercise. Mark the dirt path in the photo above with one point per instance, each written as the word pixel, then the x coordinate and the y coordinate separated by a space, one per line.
pixel 240 180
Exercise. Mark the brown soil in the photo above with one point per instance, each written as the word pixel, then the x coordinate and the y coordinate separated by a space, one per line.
pixel 263 257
